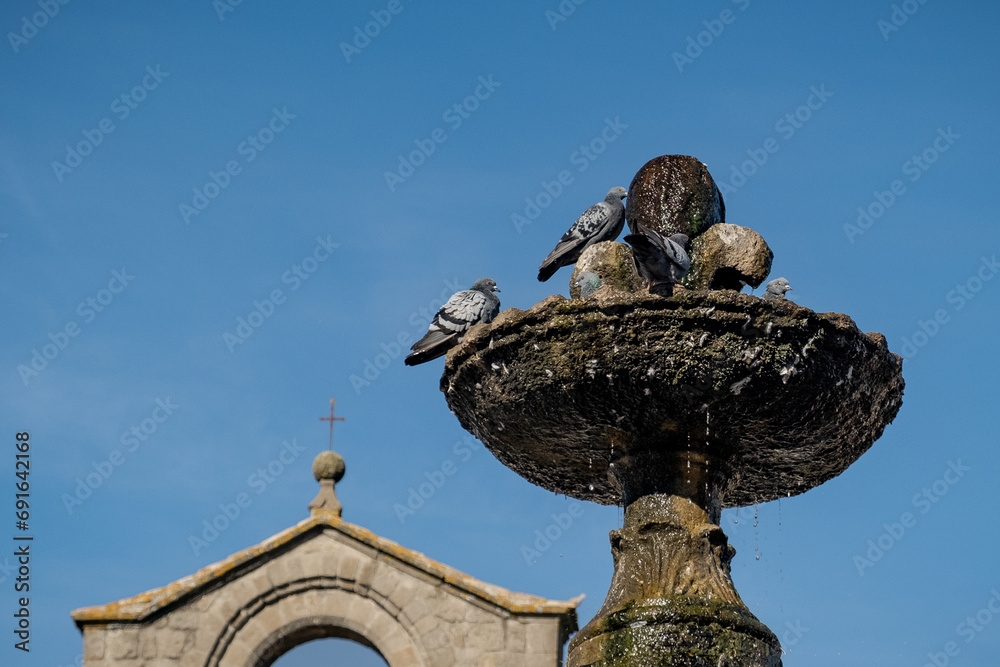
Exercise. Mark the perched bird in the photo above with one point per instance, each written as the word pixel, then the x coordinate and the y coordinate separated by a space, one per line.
pixel 461 311
pixel 776 290
pixel 588 281
pixel 659 259
pixel 601 222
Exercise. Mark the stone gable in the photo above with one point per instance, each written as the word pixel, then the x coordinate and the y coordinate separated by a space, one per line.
pixel 327 578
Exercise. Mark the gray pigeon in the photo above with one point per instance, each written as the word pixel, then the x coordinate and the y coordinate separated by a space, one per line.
pixel 658 259
pixel 464 309
pixel 601 222
pixel 776 290
pixel 588 281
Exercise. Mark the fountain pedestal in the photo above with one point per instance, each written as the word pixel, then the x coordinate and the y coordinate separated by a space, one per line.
pixel 671 600
pixel 673 408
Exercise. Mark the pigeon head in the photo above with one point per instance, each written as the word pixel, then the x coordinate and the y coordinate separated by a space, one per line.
pixel 779 286
pixel 618 192
pixel 588 281
pixel 485 285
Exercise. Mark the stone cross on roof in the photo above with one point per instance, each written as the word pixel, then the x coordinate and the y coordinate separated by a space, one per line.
pixel 331 419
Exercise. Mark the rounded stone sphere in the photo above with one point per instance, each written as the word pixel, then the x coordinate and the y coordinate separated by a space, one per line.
pixel 774 398
pixel 674 194
pixel 328 465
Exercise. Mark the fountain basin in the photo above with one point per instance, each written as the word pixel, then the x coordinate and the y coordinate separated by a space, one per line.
pixel 772 397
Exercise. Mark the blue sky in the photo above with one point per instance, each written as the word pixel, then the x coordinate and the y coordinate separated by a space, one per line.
pixel 214 163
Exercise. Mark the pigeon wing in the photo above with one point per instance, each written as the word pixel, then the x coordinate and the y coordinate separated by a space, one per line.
pixel 657 258
pixel 460 312
pixel 648 259
pixel 613 223
pixel 680 263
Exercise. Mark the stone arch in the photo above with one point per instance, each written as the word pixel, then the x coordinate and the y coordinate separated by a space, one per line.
pixel 303 631
pixel 325 577
pixel 313 608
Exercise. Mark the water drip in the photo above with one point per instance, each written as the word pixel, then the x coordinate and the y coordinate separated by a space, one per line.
pixel 756 533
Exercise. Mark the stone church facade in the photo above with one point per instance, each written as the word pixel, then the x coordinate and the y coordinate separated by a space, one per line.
pixel 327 578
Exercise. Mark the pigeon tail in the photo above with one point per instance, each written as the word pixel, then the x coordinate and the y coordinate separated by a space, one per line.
pixel 432 351
pixel 546 271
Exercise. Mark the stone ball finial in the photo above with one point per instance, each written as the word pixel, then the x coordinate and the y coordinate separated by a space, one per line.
pixel 329 465
pixel 328 469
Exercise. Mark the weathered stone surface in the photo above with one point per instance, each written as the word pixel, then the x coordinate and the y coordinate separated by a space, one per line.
pixel 285 570
pixel 385 580
pixel 323 578
pixel 672 600
pixel 540 639
pixel 675 194
pixel 406 656
pixel 328 465
pixel 347 568
pixel 124 643
pixel 777 397
pixel 486 637
pixel 727 256
pixel 404 592
pixel 365 573
pixel 514 637
pixel 94 643
pixel 610 260
pixel 673 408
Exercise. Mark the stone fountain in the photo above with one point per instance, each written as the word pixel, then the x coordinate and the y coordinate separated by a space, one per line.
pixel 675 408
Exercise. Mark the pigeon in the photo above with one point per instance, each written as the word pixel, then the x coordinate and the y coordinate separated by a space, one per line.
pixel 658 259
pixel 776 290
pixel 601 222
pixel 461 311
pixel 588 281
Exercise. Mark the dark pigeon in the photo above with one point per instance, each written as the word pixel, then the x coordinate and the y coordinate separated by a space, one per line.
pixel 463 310
pixel 601 222
pixel 776 289
pixel 659 260
pixel 588 281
